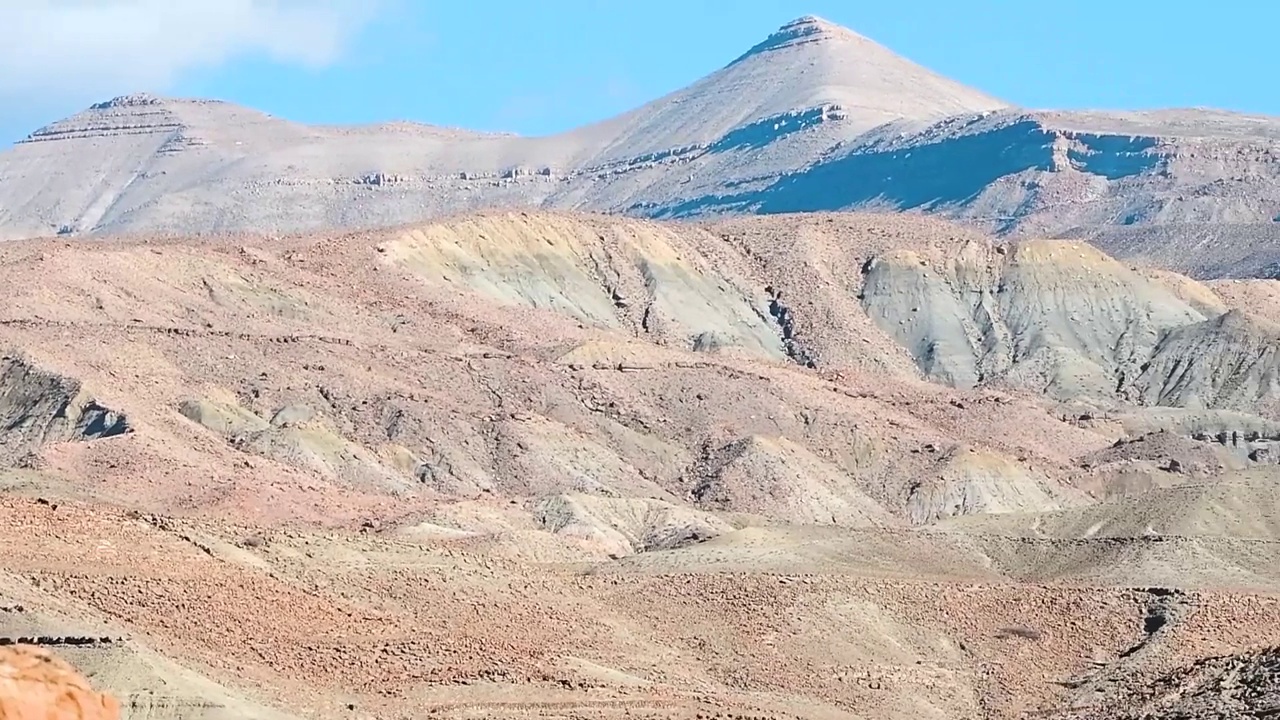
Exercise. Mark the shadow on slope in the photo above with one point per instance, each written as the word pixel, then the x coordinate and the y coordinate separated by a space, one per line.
pixel 38 408
pixel 942 167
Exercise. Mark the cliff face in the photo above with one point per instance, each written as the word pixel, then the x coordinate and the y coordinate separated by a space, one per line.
pixel 38 407
pixel 1191 190
pixel 1059 317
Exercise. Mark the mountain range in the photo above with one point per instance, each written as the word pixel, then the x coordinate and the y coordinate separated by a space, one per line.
pixel 815 117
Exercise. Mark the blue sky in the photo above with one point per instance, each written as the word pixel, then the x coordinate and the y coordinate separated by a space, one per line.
pixel 541 66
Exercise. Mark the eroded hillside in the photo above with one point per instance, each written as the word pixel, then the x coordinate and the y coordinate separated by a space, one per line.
pixel 874 464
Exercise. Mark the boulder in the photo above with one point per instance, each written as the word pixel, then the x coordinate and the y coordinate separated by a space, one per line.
pixel 35 684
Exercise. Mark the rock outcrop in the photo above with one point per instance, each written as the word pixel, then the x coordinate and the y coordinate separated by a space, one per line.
pixel 38 407
pixel 1245 685
pixel 1059 317
pixel 35 684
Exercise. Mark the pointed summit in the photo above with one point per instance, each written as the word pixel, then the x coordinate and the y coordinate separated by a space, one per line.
pixel 819 62
pixel 807 29
pixel 813 21
pixel 808 67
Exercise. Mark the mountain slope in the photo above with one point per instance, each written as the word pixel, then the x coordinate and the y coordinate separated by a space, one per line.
pixel 808 72
pixel 141 163
pixel 535 355
pixel 1066 320
pixel 1173 187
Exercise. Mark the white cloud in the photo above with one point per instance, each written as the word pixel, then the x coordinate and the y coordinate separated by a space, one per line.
pixel 54 52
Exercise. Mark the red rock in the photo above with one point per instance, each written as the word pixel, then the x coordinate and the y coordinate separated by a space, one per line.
pixel 35 684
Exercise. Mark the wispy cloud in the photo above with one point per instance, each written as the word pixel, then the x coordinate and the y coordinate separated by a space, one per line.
pixel 55 52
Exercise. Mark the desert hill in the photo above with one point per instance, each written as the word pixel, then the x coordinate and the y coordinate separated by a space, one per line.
pixel 813 118
pixel 873 464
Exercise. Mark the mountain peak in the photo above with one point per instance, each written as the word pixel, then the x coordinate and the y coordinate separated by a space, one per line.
pixel 132 100
pixel 143 161
pixel 802 31
pixel 138 114
pixel 151 101
pixel 812 25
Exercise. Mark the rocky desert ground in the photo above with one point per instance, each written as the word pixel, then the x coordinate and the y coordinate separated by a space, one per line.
pixel 553 465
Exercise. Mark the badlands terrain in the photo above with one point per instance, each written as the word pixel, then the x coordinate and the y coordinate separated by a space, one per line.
pixel 546 465
pixel 813 118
